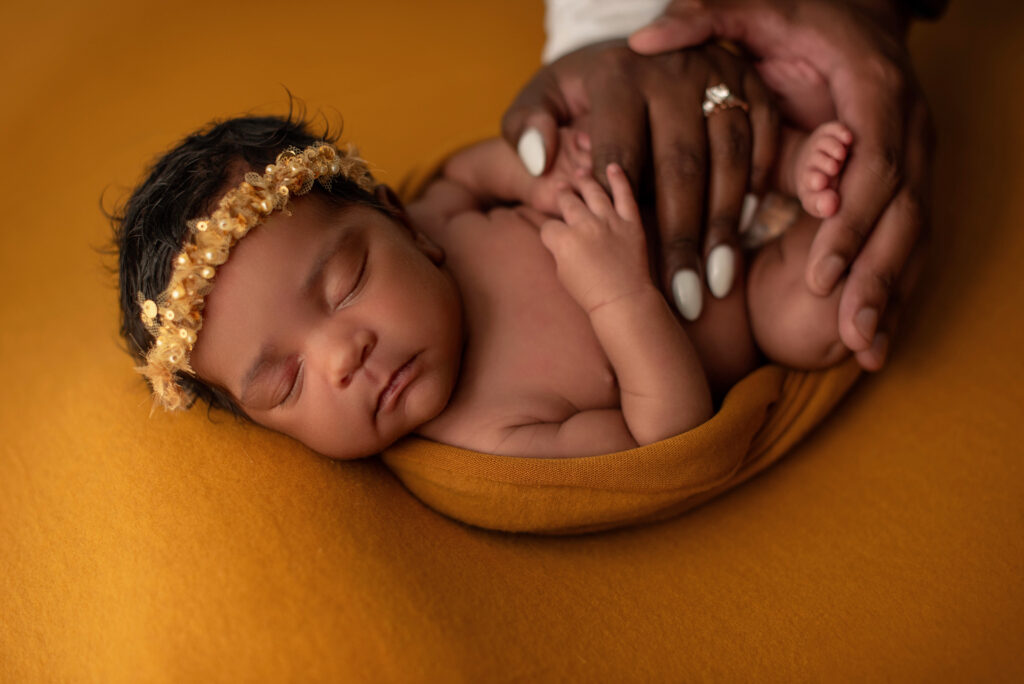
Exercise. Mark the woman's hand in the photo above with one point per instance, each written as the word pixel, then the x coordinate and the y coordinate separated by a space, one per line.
pixel 859 48
pixel 645 113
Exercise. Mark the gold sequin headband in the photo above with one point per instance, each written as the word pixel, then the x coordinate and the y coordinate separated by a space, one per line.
pixel 174 317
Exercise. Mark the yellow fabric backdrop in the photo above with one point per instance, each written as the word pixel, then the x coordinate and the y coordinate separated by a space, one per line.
pixel 887 546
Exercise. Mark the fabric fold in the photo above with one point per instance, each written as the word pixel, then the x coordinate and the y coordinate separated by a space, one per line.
pixel 760 420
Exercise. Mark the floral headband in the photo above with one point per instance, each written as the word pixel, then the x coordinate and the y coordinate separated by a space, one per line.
pixel 175 316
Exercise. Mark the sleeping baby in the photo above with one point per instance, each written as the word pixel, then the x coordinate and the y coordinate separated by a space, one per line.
pixel 263 270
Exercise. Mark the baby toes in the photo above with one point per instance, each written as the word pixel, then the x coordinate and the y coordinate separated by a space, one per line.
pixel 820 164
pixel 826 203
pixel 836 130
pixel 825 164
pixel 832 147
pixel 817 198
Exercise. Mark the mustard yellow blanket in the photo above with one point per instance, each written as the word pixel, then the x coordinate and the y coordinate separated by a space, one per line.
pixel 764 415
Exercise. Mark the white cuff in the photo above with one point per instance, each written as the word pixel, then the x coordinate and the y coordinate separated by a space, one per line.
pixel 571 24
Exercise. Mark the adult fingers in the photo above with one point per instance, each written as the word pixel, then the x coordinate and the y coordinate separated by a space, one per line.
pixel 873 173
pixel 679 148
pixel 617 125
pixel 728 132
pixel 764 131
pixel 729 149
pixel 874 357
pixel 531 123
pixel 685 23
pixel 888 266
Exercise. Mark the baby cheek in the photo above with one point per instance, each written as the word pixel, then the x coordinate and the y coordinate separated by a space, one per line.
pixel 429 397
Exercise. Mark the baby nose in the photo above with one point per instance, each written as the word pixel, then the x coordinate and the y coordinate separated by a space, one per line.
pixel 348 357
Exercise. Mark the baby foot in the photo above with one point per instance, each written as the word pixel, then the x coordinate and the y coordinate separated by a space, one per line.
pixel 818 164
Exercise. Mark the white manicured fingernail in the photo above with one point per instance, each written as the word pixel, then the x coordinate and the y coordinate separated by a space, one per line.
pixel 747 211
pixel 721 270
pixel 531 151
pixel 686 292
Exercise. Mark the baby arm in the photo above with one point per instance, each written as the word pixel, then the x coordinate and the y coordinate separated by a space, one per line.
pixel 492 172
pixel 488 173
pixel 601 256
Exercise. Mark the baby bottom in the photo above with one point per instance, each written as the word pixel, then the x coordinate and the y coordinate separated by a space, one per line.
pixel 769 313
pixel 793 326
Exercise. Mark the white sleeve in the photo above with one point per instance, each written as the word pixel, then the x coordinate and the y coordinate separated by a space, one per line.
pixel 571 24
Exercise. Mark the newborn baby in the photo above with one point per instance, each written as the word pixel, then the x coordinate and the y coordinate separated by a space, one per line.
pixel 498 312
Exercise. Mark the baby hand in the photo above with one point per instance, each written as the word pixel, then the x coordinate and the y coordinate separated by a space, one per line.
pixel 599 249
pixel 573 158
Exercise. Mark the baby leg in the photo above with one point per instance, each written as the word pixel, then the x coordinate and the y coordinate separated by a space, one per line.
pixel 793 326
pixel 722 336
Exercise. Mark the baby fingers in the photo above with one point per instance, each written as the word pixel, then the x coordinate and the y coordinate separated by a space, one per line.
pixel 594 195
pixel 572 207
pixel 622 193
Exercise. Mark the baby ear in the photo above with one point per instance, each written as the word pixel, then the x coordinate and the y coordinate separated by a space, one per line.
pixel 386 196
pixel 434 251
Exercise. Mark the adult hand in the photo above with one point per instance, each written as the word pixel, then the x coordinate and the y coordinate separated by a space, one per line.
pixel 639 110
pixel 859 48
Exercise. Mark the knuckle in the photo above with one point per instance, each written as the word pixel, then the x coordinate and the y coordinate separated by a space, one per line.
pixel 850 235
pixel 681 164
pixel 721 225
pixel 878 282
pixel 732 147
pixel 874 285
pixel 675 62
pixel 680 245
pixel 887 166
pixel 613 63
pixel 886 73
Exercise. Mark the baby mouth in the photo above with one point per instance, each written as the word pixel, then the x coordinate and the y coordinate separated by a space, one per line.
pixel 400 379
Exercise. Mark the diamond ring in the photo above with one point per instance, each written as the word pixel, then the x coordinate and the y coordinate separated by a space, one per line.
pixel 720 97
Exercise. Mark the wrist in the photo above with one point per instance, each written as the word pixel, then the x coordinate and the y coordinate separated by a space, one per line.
pixel 632 300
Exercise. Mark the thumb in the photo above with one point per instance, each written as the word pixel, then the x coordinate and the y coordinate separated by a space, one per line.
pixel 531 124
pixel 685 23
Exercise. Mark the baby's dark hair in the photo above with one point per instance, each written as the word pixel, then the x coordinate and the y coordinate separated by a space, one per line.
pixel 152 225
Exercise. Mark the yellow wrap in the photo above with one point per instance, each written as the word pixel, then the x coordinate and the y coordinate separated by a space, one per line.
pixel 761 418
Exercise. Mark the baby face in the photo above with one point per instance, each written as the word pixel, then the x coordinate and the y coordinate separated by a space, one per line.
pixel 337 327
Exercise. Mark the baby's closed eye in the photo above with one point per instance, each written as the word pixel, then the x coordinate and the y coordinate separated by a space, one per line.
pixel 346 280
